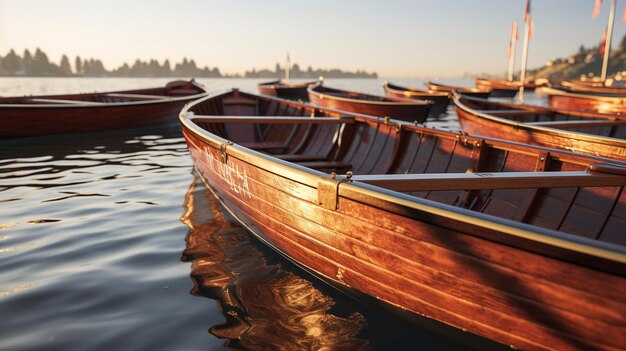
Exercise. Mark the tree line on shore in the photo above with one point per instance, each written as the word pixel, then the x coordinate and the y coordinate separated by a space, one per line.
pixel 39 65
pixel 586 62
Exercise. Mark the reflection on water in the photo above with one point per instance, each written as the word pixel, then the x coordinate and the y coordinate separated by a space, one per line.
pixel 265 306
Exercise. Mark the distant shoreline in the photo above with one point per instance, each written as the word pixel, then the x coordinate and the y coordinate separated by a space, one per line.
pixel 39 65
pixel 183 77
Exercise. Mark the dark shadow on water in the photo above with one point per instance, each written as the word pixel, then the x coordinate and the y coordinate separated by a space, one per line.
pixel 269 303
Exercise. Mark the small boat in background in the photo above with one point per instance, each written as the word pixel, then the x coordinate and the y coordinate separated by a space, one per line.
pixel 373 105
pixel 585 132
pixel 440 100
pixel 286 90
pixel 593 88
pixel 599 102
pixel 522 245
pixel 475 92
pixel 506 88
pixel 499 87
pixel 92 112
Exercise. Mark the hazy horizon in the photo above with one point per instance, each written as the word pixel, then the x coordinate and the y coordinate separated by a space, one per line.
pixel 396 39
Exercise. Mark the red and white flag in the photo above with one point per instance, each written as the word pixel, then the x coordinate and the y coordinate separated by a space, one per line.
pixel 514 35
pixel 596 8
pixel 602 43
pixel 530 29
pixel 526 10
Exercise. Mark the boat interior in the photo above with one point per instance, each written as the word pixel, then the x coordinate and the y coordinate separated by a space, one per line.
pixel 355 95
pixel 171 90
pixel 576 194
pixel 451 88
pixel 608 125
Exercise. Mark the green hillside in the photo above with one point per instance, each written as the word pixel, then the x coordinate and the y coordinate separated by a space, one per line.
pixel 586 62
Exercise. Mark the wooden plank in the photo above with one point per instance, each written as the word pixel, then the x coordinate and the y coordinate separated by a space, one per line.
pixel 139 96
pixel 61 101
pixel 271 120
pixel 513 113
pixel 576 124
pixel 501 180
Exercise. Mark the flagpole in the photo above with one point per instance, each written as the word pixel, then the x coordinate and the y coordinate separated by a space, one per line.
pixel 287 66
pixel 512 53
pixel 525 57
pixel 607 44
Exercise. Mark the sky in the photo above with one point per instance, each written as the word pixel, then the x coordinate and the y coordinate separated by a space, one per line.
pixel 395 38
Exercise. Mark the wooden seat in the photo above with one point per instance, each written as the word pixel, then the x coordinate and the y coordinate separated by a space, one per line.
pixel 497 180
pixel 60 101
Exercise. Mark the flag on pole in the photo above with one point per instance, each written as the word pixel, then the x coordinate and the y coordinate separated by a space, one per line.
pixel 527 11
pixel 514 35
pixel 596 8
pixel 602 43
pixel 530 29
pixel 624 16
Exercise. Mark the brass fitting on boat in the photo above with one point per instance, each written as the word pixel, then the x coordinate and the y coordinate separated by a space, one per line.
pixel 223 150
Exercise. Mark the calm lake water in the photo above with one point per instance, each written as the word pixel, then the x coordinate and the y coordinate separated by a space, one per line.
pixel 108 241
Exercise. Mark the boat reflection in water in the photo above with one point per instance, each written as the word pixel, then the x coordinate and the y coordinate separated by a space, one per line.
pixel 265 306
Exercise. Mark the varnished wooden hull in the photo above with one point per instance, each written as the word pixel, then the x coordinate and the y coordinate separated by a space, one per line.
pixel 581 101
pixel 501 88
pixel 517 284
pixel 440 100
pixel 19 119
pixel 594 88
pixel 392 107
pixel 473 92
pixel 278 88
pixel 577 140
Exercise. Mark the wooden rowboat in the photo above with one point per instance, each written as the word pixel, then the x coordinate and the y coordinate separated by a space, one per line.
pixel 499 87
pixel 528 250
pixel 603 103
pixel 579 131
pixel 594 88
pixel 475 92
pixel 440 100
pixel 504 88
pixel 383 106
pixel 92 112
pixel 285 90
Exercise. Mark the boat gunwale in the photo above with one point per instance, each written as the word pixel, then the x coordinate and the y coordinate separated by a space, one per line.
pixel 453 88
pixel 548 130
pixel 106 104
pixel 400 203
pixel 594 88
pixel 550 91
pixel 399 102
pixel 394 88
pixel 281 84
